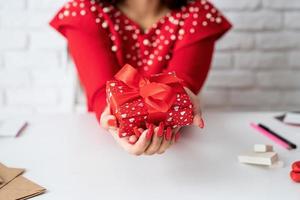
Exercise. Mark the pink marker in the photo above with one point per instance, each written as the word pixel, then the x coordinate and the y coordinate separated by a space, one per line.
pixel 270 136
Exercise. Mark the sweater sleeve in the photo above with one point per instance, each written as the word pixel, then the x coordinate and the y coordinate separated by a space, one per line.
pixel 192 55
pixel 201 20
pixel 192 63
pixel 90 48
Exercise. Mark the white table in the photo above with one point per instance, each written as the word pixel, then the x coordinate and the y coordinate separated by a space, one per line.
pixel 75 159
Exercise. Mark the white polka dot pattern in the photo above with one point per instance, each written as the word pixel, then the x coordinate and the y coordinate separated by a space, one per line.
pixel 134 113
pixel 151 47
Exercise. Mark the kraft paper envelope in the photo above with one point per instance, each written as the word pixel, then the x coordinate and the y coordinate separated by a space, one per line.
pixel 15 186
pixel 8 174
pixel 20 188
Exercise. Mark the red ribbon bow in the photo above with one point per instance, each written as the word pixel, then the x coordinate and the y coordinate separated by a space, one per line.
pixel 155 91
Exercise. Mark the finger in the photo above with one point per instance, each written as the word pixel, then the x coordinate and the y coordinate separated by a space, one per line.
pixel 142 143
pixel 166 141
pixel 198 121
pixel 174 132
pixel 150 132
pixel 108 121
pixel 137 132
pixel 195 101
pixel 107 110
pixel 196 105
pixel 194 98
pixel 156 140
pixel 132 139
pixel 122 141
pixel 176 136
pixel 160 132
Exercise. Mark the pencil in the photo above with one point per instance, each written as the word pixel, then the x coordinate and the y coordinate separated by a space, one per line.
pixel 22 129
pixel 292 145
pixel 271 136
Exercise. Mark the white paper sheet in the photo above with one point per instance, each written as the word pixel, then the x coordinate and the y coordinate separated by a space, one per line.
pixel 292 118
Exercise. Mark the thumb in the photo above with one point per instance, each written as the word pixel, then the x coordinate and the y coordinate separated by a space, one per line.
pixel 132 139
pixel 198 121
pixel 107 120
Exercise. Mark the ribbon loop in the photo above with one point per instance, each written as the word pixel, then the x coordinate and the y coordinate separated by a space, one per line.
pixel 157 95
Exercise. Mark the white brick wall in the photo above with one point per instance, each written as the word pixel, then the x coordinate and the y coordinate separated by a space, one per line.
pixel 256 66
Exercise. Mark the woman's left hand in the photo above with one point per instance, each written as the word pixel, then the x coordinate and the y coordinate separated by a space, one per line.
pixel 171 136
pixel 197 121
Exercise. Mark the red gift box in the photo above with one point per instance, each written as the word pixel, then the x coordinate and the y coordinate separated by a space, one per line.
pixel 135 99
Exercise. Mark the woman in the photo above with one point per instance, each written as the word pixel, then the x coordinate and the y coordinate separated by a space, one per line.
pixel 152 35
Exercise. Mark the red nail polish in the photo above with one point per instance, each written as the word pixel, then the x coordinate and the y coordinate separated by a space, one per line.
pixel 168 134
pixel 131 142
pixel 150 132
pixel 201 125
pixel 177 136
pixel 147 125
pixel 112 122
pixel 122 134
pixel 160 131
pixel 137 132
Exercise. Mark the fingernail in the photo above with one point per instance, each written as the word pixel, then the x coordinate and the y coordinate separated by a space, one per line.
pixel 168 134
pixel 112 122
pixel 147 125
pixel 177 136
pixel 122 134
pixel 150 132
pixel 160 131
pixel 132 142
pixel 201 125
pixel 137 132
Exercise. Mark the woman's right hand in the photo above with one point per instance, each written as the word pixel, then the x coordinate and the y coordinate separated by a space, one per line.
pixel 152 140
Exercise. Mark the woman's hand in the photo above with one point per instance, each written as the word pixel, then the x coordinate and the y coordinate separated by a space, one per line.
pixel 150 141
pixel 153 139
pixel 197 121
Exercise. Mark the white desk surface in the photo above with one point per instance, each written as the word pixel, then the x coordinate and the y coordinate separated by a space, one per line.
pixel 75 159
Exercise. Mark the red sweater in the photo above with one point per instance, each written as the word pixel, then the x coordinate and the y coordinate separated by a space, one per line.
pixel 101 39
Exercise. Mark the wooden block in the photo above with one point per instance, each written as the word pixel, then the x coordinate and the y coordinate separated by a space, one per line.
pixel 267 158
pixel 277 164
pixel 260 148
